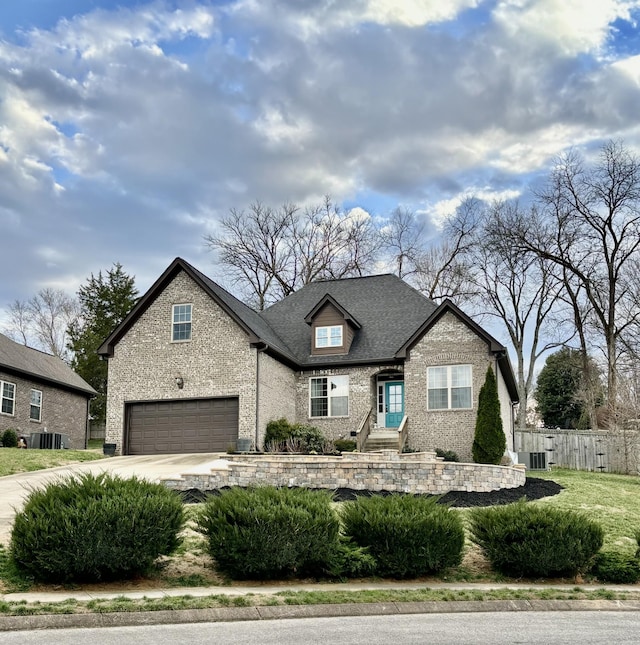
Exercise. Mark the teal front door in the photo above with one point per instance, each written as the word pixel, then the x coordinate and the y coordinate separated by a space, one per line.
pixel 394 403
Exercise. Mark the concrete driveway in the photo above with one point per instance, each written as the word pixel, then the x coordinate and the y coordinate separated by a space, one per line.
pixel 15 488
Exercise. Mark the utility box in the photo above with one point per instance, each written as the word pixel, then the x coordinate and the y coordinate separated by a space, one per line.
pixel 49 441
pixel 533 460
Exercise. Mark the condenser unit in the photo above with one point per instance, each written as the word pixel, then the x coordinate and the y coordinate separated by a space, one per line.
pixel 533 460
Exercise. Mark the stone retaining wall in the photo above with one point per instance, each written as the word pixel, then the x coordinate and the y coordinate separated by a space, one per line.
pixel 384 470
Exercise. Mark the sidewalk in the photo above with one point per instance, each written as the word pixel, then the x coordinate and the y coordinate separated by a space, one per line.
pixel 57 621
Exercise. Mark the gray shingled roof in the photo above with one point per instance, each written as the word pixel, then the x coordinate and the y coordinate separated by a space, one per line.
pixel 387 308
pixel 38 365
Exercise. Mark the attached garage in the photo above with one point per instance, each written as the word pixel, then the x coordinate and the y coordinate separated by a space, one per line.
pixel 183 426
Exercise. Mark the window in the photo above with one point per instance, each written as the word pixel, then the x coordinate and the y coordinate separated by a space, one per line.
pixel 449 387
pixel 35 409
pixel 181 323
pixel 329 396
pixel 7 397
pixel 329 336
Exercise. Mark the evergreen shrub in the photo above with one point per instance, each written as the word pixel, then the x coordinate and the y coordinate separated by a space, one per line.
pixel 268 532
pixel 535 540
pixel 9 438
pixel 344 445
pixel 408 536
pixel 447 455
pixel 619 568
pixel 489 441
pixel 95 527
pixel 282 436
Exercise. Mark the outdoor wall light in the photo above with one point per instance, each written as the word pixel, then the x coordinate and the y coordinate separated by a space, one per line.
pixel 179 382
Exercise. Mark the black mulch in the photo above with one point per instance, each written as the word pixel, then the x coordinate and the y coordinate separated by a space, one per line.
pixel 534 488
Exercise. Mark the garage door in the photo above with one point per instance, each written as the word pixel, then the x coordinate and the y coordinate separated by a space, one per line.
pixel 163 427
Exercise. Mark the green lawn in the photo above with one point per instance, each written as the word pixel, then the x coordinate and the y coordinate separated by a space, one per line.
pixel 15 460
pixel 612 500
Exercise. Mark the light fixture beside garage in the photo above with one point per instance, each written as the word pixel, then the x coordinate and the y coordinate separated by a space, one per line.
pixel 179 382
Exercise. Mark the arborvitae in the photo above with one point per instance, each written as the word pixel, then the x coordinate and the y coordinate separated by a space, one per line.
pixel 489 441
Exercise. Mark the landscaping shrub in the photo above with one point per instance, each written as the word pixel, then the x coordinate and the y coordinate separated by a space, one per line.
pixel 619 568
pixel 345 445
pixel 268 532
pixel 534 540
pixel 282 436
pixel 447 455
pixel 408 536
pixel 95 527
pixel 10 438
pixel 489 441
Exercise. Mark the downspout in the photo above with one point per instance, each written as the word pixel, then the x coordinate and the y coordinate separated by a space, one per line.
pixel 259 351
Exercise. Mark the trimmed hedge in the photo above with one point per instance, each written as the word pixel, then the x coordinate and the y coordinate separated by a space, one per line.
pixel 9 438
pixel 95 527
pixel 535 540
pixel 408 536
pixel 268 532
pixel 619 568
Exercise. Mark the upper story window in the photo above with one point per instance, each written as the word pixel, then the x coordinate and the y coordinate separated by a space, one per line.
pixel 449 387
pixel 329 336
pixel 181 328
pixel 35 408
pixel 329 396
pixel 7 398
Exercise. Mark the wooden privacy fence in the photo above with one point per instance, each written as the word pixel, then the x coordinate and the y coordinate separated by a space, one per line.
pixel 600 451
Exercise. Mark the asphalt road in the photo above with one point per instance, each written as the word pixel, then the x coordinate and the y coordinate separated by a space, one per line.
pixel 550 628
pixel 15 488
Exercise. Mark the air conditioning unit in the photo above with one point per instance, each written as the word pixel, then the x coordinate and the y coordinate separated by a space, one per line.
pixel 533 460
pixel 49 440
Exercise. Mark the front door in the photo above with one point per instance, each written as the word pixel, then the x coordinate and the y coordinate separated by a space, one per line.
pixel 394 403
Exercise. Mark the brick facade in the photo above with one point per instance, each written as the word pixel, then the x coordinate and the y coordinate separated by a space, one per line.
pixel 62 411
pixel 218 360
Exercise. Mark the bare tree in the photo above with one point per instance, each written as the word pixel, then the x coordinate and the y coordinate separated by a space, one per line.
pixel 518 288
pixel 590 227
pixel 272 252
pixel 403 237
pixel 43 320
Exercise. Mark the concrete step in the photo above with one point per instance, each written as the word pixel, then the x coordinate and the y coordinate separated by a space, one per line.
pixel 381 440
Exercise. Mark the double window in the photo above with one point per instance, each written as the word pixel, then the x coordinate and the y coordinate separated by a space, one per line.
pixel 449 387
pixel 329 396
pixel 181 326
pixel 35 407
pixel 329 336
pixel 7 398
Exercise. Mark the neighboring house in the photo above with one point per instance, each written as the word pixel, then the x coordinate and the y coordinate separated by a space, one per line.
pixel 193 369
pixel 41 393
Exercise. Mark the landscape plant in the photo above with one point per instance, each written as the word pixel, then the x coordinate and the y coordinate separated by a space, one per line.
pixel 95 527
pixel 268 533
pixel 407 536
pixel 283 436
pixel 9 438
pixel 534 540
pixel 489 441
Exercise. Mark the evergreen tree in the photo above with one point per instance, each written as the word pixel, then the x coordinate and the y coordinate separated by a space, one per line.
pixel 104 302
pixel 489 441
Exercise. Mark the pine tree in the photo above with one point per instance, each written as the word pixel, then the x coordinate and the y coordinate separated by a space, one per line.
pixel 104 302
pixel 489 441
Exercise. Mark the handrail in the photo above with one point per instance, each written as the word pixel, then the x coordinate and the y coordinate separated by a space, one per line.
pixel 403 433
pixel 364 428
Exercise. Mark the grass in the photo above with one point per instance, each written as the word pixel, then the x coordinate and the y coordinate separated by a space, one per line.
pixel 610 499
pixel 15 460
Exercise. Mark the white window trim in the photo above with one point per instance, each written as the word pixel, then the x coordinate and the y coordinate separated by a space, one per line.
pixel 31 405
pixel 449 388
pixel 13 400
pixel 174 323
pixel 329 338
pixel 329 415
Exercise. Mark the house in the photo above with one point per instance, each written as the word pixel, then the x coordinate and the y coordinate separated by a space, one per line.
pixel 193 369
pixel 41 393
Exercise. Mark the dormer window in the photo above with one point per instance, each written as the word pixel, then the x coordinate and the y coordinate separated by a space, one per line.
pixel 329 336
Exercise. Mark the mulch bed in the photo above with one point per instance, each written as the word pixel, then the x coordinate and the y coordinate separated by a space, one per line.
pixel 534 488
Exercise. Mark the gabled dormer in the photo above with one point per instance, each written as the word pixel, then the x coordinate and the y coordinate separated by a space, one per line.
pixel 332 328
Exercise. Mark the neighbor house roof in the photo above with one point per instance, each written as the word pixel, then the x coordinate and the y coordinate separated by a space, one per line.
pixel 389 315
pixel 33 364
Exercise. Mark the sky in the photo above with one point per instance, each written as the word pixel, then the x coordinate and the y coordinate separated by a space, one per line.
pixel 128 129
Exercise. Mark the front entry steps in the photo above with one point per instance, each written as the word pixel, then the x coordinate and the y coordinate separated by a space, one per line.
pixel 382 440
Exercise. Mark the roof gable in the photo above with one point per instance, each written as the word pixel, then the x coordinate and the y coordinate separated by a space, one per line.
pixel 328 300
pixel 36 365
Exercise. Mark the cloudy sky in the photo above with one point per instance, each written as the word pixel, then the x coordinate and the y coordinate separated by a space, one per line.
pixel 129 128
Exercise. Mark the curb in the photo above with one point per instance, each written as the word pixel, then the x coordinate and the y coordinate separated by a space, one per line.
pixel 279 612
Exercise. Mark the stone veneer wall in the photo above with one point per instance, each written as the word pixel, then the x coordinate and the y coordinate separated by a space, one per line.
pixel 448 342
pixel 217 362
pixel 62 411
pixel 384 470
